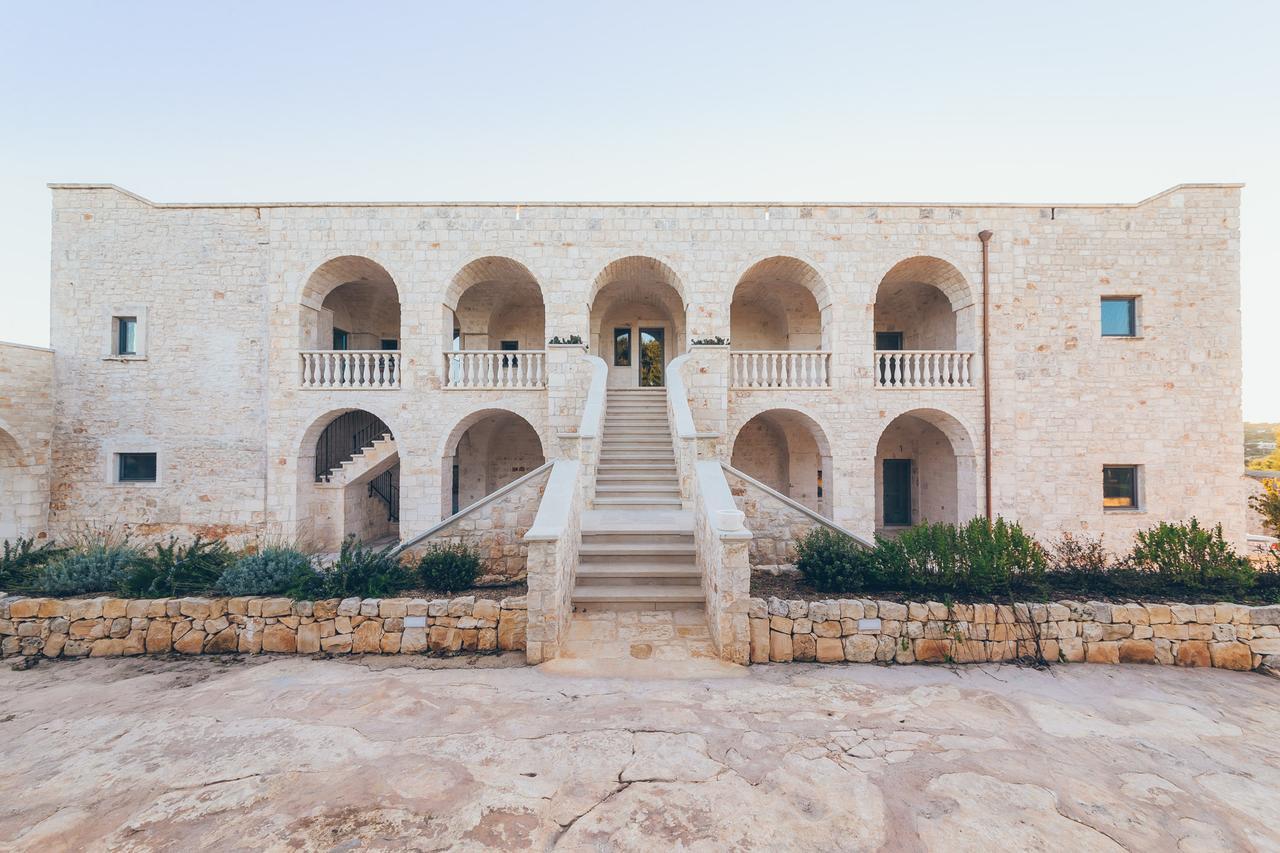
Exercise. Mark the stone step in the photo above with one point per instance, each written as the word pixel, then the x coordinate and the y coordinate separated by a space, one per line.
pixel 636 503
pixel 590 551
pixel 639 568
pixel 640 492
pixel 640 594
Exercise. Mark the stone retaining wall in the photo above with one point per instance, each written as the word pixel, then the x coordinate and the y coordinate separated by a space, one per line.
pixel 110 627
pixel 1228 636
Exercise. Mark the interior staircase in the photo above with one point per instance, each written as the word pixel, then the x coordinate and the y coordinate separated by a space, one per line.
pixel 637 542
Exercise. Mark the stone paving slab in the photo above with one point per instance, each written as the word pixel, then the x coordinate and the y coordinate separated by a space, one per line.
pixel 292 753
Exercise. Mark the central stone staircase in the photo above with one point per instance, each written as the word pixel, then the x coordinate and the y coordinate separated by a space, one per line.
pixel 637 542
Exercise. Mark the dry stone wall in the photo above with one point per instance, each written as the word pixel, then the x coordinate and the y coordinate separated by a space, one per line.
pixel 112 627
pixel 1226 636
pixel 775 526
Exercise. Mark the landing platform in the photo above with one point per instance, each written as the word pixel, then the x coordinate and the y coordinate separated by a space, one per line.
pixel 638 520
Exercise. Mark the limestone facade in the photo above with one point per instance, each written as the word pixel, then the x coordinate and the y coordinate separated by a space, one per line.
pixel 230 298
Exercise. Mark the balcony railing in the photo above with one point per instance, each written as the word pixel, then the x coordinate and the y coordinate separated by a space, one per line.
pixel 780 369
pixel 923 369
pixel 495 369
pixel 365 369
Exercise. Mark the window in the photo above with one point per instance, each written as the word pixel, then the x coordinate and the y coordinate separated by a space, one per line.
pixel 509 346
pixel 1119 317
pixel 888 340
pixel 819 482
pixel 341 339
pixel 390 344
pixel 136 467
pixel 1120 486
pixel 126 335
pixel 622 346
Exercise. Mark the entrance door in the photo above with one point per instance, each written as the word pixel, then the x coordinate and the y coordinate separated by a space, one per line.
pixel 897 491
pixel 652 356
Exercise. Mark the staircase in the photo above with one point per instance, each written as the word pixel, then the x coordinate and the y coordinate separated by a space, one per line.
pixel 637 542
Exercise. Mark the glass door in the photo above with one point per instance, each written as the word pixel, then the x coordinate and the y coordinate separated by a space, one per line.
pixel 897 491
pixel 652 357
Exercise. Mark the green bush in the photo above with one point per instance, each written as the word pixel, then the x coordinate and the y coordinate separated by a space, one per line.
pixel 831 561
pixel 273 570
pixel 979 557
pixel 97 568
pixel 20 561
pixel 449 568
pixel 1186 557
pixel 364 572
pixel 172 570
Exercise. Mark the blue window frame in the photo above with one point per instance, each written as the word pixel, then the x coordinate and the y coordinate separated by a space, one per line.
pixel 1119 317
pixel 126 336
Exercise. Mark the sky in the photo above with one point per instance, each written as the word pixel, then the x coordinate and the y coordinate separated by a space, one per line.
pixel 725 101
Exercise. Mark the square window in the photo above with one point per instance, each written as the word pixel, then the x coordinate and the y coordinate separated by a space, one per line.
pixel 1119 317
pixel 136 468
pixel 1120 486
pixel 126 337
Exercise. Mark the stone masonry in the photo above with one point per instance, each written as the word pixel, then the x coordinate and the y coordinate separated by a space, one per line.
pixel 227 296
pixel 111 627
pixel 1226 636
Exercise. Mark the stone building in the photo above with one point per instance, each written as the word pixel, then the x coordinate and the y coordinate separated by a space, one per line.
pixel 385 370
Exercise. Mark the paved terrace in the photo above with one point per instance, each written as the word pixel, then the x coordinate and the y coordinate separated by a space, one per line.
pixel 277 753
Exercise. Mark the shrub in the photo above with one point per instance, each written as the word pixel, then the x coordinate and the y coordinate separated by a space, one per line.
pixel 1191 558
pixel 449 568
pixel 831 561
pixel 20 561
pixel 1267 505
pixel 97 568
pixel 272 570
pixel 172 569
pixel 364 572
pixel 977 558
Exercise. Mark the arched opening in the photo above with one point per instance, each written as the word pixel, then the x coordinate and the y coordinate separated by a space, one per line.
pixel 12 474
pixel 924 310
pixel 637 320
pixel 779 321
pixel 780 303
pixel 351 303
pixel 349 480
pixel 485 451
pixel 493 308
pixel 924 472
pixel 788 452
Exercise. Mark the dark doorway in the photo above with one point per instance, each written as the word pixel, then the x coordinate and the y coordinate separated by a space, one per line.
pixel 897 491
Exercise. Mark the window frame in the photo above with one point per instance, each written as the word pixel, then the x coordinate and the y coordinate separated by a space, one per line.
pixel 114 463
pixel 1135 325
pixel 1136 488
pixel 625 362
pixel 111 344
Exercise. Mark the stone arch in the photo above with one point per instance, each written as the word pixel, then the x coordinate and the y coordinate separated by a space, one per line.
pixel 635 293
pixel 360 499
pixel 13 474
pixel 941 470
pixel 484 451
pixel 789 451
pixel 492 299
pixel 929 300
pixel 781 302
pixel 354 295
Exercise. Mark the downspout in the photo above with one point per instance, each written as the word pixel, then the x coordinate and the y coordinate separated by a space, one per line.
pixel 985 237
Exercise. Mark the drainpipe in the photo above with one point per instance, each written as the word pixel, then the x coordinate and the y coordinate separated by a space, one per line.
pixel 985 237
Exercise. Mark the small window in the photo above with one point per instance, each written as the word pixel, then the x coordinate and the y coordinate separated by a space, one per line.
pixel 1120 486
pixel 622 346
pixel 1119 317
pixel 819 482
pixel 509 346
pixel 136 468
pixel 341 339
pixel 390 344
pixel 888 340
pixel 126 336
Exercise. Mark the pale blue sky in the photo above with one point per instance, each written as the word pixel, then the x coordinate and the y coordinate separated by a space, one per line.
pixel 907 101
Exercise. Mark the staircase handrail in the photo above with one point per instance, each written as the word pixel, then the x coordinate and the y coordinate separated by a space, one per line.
pixel 796 505
pixel 470 508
